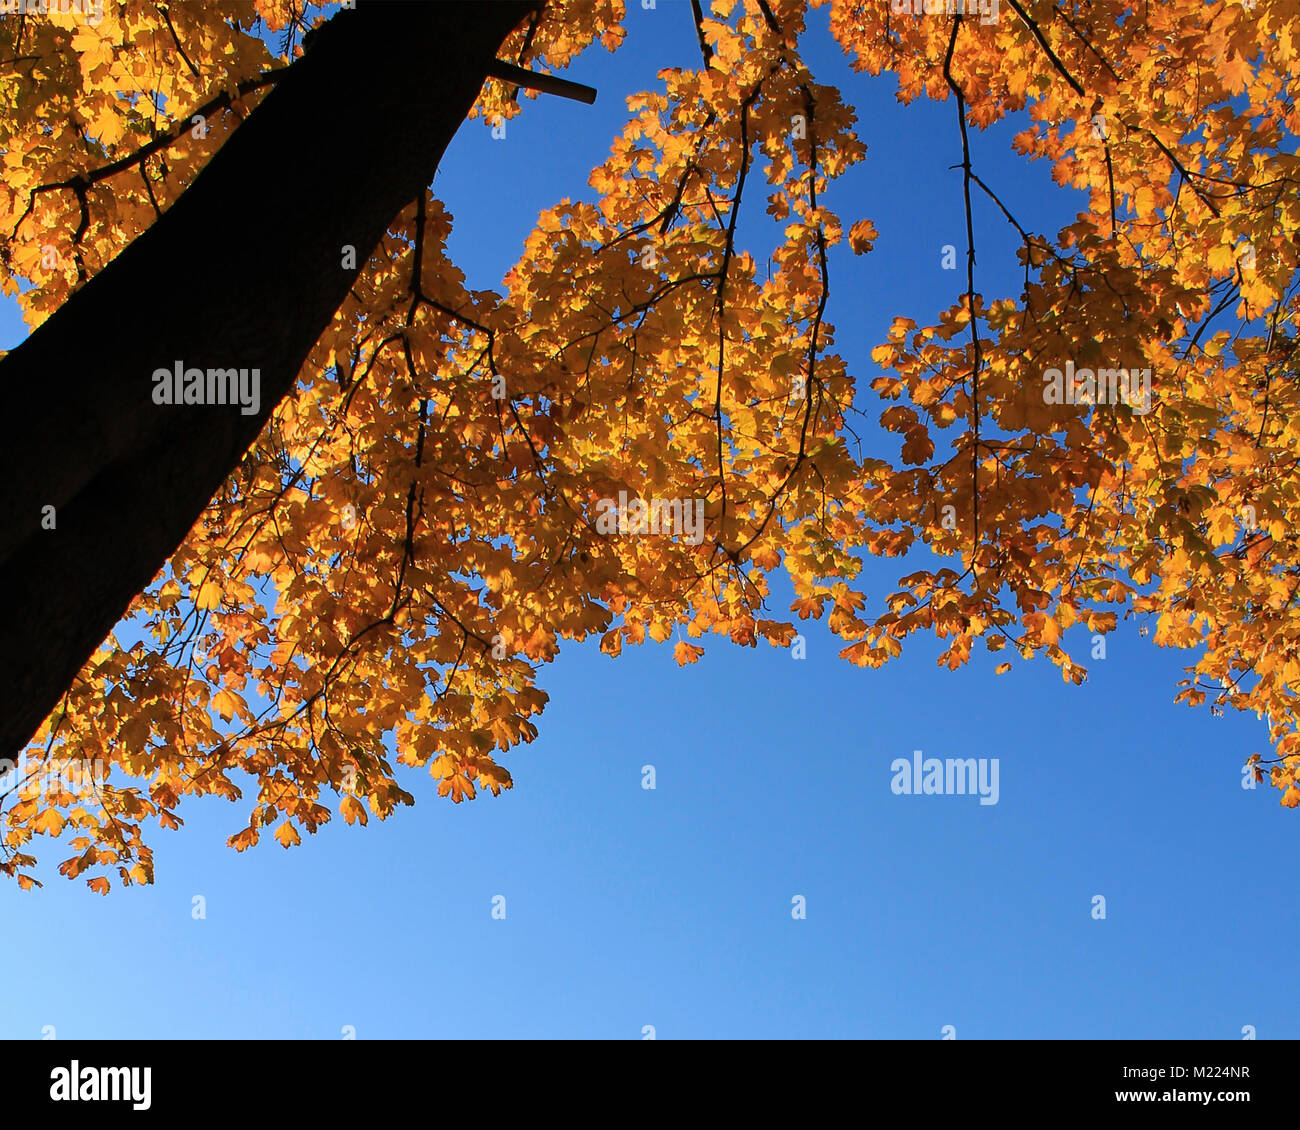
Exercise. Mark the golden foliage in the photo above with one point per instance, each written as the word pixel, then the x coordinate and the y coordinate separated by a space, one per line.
pixel 382 575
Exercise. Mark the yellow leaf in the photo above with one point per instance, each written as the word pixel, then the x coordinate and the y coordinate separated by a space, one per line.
pixel 287 834
pixel 209 595
pixel 224 704
pixel 49 822
pixel 353 810
pixel 1221 257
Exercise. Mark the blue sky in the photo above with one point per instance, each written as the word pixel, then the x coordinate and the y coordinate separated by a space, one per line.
pixel 671 907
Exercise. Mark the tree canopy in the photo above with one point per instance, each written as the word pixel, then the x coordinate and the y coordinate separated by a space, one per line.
pixel 424 515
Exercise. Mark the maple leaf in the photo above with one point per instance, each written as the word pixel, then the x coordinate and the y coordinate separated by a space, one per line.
pixel 209 595
pixel 49 822
pixel 353 810
pixel 862 236
pixel 686 653
pixel 223 702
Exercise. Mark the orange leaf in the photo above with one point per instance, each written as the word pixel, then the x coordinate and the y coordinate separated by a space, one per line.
pixel 49 822
pixel 223 702
pixel 686 653
pixel 353 810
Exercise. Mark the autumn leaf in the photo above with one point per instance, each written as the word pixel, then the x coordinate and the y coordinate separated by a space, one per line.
pixel 918 446
pixel 209 595
pixel 353 810
pixel 862 236
pixel 49 822
pixel 224 703
pixel 1144 201
pixel 686 653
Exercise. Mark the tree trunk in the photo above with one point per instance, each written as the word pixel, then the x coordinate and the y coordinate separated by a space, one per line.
pixel 242 271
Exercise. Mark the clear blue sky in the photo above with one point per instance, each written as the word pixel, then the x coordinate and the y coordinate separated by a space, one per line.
pixel 672 908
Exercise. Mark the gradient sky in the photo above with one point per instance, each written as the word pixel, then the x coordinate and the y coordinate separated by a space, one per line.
pixel 628 907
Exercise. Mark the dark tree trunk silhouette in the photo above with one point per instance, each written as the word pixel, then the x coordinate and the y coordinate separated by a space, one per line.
pixel 242 271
